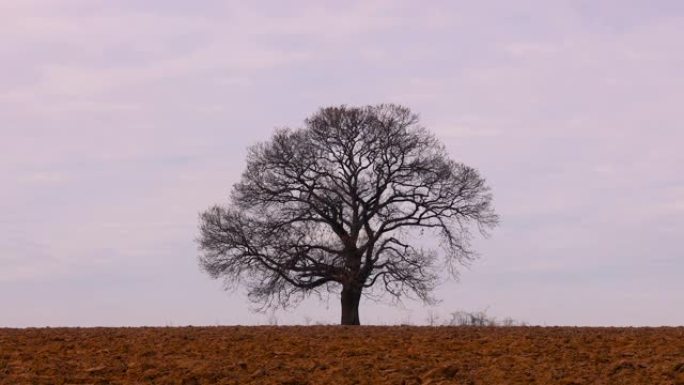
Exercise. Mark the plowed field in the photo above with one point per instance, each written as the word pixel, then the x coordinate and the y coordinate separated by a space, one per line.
pixel 342 355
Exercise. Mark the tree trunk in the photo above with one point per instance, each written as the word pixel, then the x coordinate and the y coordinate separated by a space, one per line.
pixel 350 299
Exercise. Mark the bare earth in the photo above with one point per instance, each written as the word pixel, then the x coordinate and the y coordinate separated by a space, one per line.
pixel 300 355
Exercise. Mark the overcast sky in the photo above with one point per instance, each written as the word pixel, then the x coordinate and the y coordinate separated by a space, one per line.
pixel 121 120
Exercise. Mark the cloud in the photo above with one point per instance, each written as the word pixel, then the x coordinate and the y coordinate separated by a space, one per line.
pixel 45 178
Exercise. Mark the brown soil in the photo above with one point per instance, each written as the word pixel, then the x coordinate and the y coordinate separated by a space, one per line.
pixel 342 355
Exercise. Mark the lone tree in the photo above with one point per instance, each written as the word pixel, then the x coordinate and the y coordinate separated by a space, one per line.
pixel 336 206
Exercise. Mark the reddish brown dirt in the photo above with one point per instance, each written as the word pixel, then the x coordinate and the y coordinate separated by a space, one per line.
pixel 342 355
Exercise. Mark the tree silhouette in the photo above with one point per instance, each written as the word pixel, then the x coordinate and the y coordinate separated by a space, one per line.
pixel 336 206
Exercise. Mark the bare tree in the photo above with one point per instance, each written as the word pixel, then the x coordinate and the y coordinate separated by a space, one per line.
pixel 338 204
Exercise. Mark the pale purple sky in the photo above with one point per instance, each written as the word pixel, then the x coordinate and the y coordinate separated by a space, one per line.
pixel 121 120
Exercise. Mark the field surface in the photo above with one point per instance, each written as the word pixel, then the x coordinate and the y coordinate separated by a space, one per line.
pixel 298 355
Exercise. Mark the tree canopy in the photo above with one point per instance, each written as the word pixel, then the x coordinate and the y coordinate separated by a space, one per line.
pixel 337 206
